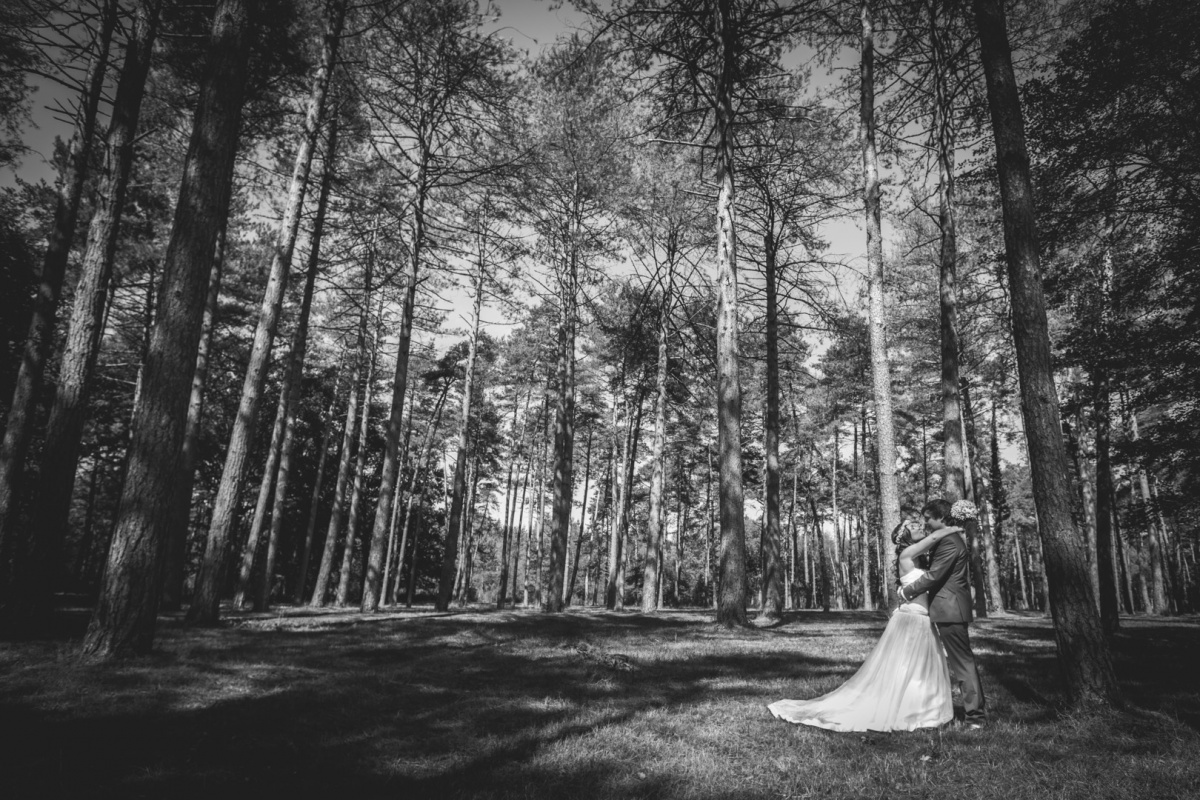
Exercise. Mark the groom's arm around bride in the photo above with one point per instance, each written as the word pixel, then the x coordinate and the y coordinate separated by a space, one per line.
pixel 948 581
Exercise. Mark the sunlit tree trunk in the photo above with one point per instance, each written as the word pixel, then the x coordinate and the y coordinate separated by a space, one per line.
pixel 206 599
pixel 22 412
pixel 731 606
pixel 390 468
pixel 342 595
pixel 881 379
pixel 123 621
pixel 325 569
pixel 1084 654
pixel 587 476
pixel 652 573
pixel 290 392
pixel 450 556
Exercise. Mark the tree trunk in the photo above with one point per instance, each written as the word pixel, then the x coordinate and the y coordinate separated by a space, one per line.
pixel 587 477
pixel 391 464
pixel 123 621
pixel 180 526
pixel 1158 594
pixel 612 591
pixel 832 560
pixel 22 413
pixel 289 394
pixel 987 579
pixel 772 557
pixel 60 450
pixel 564 436
pixel 314 501
pixel 731 608
pixel 342 595
pixel 652 574
pixel 1084 654
pixel 410 509
pixel 321 588
pixel 1101 405
pixel 954 483
pixel 881 378
pixel 450 556
pixel 206 600
pixel 633 436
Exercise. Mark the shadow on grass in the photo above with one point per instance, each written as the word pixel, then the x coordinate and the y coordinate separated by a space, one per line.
pixel 470 704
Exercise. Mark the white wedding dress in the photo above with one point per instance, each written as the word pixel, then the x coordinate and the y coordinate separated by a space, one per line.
pixel 903 685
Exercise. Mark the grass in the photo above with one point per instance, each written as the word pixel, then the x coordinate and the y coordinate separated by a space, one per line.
pixel 484 704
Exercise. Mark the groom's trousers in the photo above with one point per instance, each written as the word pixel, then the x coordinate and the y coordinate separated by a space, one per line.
pixel 963 672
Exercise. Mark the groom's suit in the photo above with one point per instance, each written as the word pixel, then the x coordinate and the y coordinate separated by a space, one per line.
pixel 948 581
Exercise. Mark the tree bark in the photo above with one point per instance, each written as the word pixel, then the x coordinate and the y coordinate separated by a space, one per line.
pixel 391 463
pixel 881 378
pixel 207 597
pixel 60 450
pixel 450 556
pixel 123 621
pixel 180 526
pixel 342 595
pixel 321 588
pixel 290 392
pixel 652 573
pixel 1101 406
pixel 22 412
pixel 315 500
pixel 564 431
pixel 1084 653
pixel 413 495
pixel 731 607
pixel 587 477
pixel 772 541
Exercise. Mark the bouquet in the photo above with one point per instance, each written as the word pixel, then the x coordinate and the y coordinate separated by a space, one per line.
pixel 963 510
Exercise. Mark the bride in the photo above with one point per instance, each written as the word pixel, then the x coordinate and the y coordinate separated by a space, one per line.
pixel 904 684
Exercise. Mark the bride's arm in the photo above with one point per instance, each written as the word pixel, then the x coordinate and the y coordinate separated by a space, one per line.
pixel 909 554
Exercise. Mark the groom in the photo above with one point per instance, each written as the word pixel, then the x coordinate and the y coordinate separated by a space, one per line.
pixel 947 580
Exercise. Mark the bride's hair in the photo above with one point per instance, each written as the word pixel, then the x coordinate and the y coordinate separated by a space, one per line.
pixel 902 537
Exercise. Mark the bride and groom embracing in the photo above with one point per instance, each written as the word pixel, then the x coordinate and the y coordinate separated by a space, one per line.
pixel 925 650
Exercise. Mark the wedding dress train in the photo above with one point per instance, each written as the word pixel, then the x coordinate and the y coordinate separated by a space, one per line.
pixel 903 685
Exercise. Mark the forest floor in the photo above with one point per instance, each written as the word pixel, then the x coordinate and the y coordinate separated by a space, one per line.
pixel 487 704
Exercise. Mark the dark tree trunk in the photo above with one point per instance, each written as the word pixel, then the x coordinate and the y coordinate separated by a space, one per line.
pixel 60 450
pixel 772 557
pixel 414 496
pixel 22 412
pixel 1084 653
pixel 587 477
pixel 564 438
pixel 1101 405
pixel 315 500
pixel 206 599
pixel 123 621
pixel 180 527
